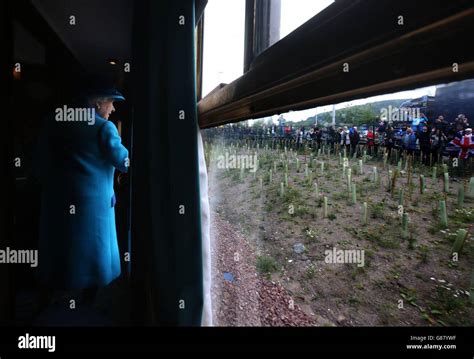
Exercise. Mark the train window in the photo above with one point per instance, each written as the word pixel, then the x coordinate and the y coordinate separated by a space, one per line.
pixel 296 13
pixel 223 42
pixel 334 219
pixel 268 21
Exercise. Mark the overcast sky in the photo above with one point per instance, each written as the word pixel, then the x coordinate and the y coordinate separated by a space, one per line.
pixel 224 46
pixel 224 32
pixel 302 115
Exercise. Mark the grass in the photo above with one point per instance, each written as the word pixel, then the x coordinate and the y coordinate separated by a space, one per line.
pixel 310 234
pixel 448 300
pixel 377 210
pixel 310 271
pixel 266 265
pixel 291 195
pixel 354 300
pixel 435 228
pixel 385 313
pixel 409 295
pixel 235 175
pixel 356 271
pixel 446 303
pixel 319 202
pixel 304 210
pixel 371 235
pixel 340 196
pixel 269 207
pixel 424 253
pixel 381 235
pixel 369 255
pixel 462 216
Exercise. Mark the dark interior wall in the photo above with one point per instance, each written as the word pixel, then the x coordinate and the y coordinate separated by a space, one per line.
pixel 60 70
pixel 48 74
pixel 6 156
pixel 47 70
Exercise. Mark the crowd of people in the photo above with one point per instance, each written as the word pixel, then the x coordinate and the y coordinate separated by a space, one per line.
pixel 428 139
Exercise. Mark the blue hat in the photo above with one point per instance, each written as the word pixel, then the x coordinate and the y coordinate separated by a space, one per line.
pixel 110 93
pixel 100 86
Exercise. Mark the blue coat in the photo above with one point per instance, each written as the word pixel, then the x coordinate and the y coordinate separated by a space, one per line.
pixel 409 141
pixel 77 237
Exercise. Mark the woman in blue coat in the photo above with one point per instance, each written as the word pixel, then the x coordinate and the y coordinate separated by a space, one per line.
pixel 79 153
pixel 409 141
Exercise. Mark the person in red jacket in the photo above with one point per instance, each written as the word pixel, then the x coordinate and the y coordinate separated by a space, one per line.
pixel 370 141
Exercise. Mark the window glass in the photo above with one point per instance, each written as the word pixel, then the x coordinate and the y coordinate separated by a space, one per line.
pixel 295 13
pixel 223 54
pixel 319 226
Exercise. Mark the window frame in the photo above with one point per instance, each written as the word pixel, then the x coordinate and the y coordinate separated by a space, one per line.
pixel 262 28
pixel 276 82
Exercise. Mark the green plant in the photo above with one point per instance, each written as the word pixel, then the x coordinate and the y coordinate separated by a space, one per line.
pixel 310 234
pixel 301 210
pixel 266 265
pixel 357 271
pixel 409 295
pixel 377 210
pixel 443 218
pixel 424 253
pixel 449 298
pixel 319 202
pixel 369 234
pixel 462 216
pixel 291 195
pixel 380 235
pixel 310 271
pixel 354 300
pixel 385 313
pixel 435 228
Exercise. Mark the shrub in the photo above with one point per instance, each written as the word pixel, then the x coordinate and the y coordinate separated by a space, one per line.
pixel 266 265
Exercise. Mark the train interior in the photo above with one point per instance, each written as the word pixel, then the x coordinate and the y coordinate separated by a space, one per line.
pixel 54 43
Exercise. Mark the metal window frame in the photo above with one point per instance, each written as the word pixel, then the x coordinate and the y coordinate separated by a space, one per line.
pixel 305 69
pixel 200 7
pixel 262 28
pixel 199 56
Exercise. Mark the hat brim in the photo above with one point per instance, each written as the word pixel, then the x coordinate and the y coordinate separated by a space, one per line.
pixel 117 97
pixel 110 94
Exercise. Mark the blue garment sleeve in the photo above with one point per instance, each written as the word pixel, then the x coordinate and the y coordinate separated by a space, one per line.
pixel 111 146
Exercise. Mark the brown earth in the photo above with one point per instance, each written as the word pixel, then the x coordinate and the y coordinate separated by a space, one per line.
pixel 404 282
